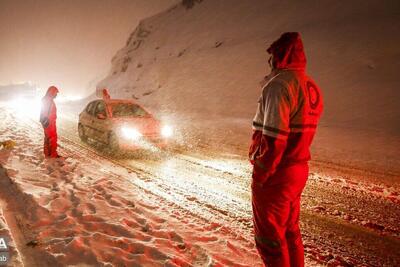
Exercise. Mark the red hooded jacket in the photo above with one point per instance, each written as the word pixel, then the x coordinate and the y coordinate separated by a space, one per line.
pixel 49 109
pixel 288 111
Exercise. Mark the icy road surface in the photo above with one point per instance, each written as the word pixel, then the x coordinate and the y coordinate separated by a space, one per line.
pixel 184 208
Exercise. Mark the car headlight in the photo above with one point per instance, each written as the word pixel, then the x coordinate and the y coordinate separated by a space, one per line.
pixel 167 131
pixel 130 133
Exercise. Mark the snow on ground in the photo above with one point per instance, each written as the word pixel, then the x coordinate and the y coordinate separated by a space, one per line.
pixel 187 209
pixel 83 210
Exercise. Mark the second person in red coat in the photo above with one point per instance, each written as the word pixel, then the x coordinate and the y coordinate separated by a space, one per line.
pixel 48 117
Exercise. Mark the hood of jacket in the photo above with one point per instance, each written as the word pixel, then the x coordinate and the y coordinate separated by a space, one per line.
pixel 288 52
pixel 51 92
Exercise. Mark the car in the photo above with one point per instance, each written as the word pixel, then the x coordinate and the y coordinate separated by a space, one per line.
pixel 122 124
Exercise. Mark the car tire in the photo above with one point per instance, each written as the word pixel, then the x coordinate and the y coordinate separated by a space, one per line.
pixel 81 133
pixel 113 143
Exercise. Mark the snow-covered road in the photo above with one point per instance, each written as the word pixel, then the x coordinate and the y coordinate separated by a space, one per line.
pixel 184 208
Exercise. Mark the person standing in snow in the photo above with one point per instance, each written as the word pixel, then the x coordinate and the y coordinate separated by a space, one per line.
pixel 288 112
pixel 48 117
pixel 106 95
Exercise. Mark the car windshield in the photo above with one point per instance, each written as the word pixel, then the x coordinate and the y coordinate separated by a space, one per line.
pixel 127 110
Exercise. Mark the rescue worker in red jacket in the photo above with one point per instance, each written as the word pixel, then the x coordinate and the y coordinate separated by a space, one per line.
pixel 288 112
pixel 48 117
pixel 106 95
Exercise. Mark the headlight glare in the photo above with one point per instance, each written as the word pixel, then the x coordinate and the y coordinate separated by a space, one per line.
pixel 130 133
pixel 167 131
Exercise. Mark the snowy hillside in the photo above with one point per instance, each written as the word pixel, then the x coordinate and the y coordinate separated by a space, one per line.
pixel 204 64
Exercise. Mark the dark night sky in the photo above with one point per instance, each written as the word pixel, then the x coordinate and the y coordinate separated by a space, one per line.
pixel 66 43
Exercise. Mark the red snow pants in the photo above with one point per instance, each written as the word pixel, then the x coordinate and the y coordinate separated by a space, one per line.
pixel 276 210
pixel 50 140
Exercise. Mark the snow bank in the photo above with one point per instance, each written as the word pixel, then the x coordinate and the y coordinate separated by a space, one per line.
pixel 204 63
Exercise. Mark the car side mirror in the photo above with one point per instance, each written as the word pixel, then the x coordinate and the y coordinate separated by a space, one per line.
pixel 101 116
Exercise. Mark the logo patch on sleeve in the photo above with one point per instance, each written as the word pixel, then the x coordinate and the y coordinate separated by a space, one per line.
pixel 313 95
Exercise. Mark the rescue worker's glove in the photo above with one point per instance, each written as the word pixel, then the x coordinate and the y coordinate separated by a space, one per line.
pixel 268 158
pixel 255 146
pixel 44 121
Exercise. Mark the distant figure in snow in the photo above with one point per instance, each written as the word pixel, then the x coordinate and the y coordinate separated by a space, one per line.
pixel 288 112
pixel 106 95
pixel 48 117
